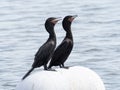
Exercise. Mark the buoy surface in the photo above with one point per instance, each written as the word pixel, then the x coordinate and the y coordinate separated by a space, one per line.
pixel 74 78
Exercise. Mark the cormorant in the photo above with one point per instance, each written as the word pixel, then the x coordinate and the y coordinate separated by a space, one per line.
pixel 64 49
pixel 45 52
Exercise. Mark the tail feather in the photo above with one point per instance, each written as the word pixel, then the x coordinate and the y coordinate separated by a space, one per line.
pixel 28 73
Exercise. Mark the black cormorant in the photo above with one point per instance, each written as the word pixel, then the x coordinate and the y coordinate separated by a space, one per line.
pixel 64 49
pixel 45 52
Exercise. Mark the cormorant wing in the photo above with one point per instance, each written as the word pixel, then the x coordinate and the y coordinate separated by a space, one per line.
pixel 62 52
pixel 43 54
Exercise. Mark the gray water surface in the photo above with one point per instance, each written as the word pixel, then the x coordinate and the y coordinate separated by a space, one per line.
pixel 96 33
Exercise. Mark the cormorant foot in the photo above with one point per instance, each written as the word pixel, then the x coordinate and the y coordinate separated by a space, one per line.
pixel 66 67
pixel 51 69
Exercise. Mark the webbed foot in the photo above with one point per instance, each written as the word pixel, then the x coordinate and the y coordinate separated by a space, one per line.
pixel 51 69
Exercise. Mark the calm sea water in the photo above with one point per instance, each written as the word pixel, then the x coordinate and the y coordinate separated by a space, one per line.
pixel 96 33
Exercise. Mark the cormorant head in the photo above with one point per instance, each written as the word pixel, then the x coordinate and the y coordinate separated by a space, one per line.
pixel 67 21
pixel 50 23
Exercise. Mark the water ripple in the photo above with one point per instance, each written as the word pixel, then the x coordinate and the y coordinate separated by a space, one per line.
pixel 95 30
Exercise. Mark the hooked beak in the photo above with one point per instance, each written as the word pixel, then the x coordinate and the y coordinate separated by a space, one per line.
pixel 56 20
pixel 72 18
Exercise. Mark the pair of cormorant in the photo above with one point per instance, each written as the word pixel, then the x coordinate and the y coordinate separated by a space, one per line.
pixel 46 51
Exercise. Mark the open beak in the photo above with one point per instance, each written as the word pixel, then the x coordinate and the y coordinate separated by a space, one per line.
pixel 56 20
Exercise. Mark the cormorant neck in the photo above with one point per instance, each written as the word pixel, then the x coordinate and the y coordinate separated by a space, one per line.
pixel 52 35
pixel 50 30
pixel 67 28
pixel 69 34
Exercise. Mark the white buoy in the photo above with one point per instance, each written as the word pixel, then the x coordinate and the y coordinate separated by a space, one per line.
pixel 74 78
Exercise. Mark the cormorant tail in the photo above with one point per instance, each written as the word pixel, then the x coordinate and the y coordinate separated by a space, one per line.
pixel 28 73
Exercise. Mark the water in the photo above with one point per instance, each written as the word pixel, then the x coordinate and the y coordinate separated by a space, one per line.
pixel 96 36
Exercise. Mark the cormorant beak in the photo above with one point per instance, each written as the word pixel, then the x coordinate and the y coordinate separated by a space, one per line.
pixel 72 18
pixel 56 20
